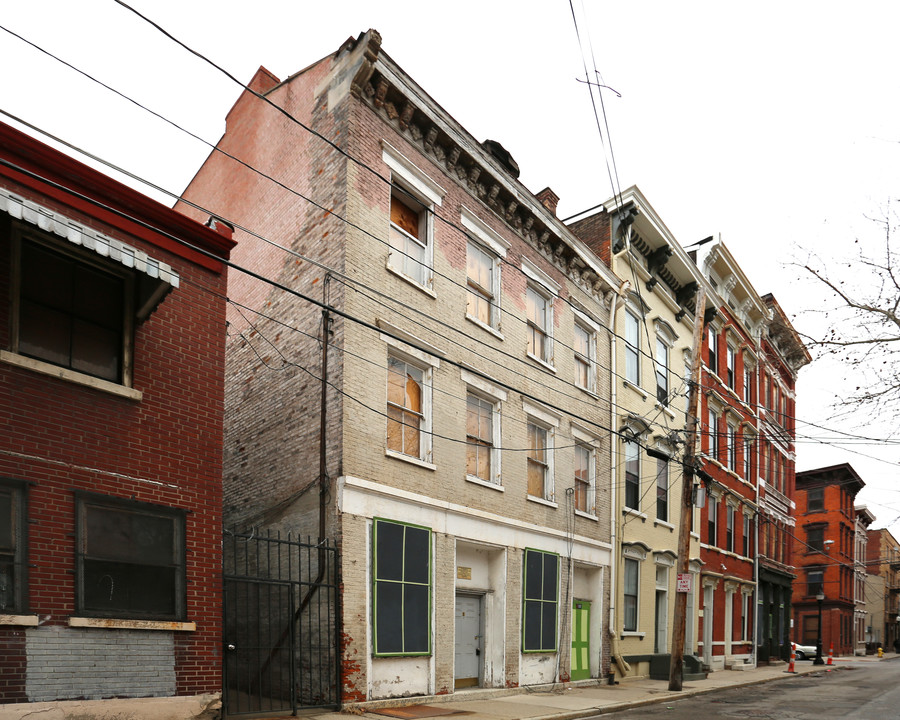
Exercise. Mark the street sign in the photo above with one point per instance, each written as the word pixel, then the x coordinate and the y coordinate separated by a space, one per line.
pixel 684 583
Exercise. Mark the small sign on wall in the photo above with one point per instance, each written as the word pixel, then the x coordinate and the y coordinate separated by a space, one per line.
pixel 684 583
pixel 463 573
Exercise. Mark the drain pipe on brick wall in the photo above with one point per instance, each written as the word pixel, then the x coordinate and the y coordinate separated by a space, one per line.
pixel 614 305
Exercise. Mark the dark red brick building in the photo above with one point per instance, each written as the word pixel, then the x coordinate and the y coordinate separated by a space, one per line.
pixel 112 333
pixel 825 555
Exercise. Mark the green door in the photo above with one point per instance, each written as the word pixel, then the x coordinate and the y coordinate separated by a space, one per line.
pixel 581 623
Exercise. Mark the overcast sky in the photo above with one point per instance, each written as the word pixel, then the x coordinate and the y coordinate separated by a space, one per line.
pixel 772 124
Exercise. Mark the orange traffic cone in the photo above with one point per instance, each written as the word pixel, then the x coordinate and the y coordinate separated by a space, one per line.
pixel 791 664
pixel 830 654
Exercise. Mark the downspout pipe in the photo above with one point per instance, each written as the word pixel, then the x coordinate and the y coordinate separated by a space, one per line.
pixel 614 304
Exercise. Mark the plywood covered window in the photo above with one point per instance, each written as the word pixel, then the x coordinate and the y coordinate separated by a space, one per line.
pixel 405 407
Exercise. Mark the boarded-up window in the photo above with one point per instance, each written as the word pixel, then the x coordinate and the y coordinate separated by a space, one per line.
pixel 405 407
pixel 538 460
pixel 479 437
pixel 408 237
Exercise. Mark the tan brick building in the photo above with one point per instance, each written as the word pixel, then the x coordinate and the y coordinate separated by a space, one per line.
pixel 467 454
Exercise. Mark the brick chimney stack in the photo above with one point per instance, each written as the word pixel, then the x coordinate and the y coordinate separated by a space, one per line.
pixel 549 199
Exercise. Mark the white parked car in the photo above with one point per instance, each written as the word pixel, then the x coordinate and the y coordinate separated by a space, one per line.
pixel 804 652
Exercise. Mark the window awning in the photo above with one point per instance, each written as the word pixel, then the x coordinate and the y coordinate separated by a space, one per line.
pixel 155 279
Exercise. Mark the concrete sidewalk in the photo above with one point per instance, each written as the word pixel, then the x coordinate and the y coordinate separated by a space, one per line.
pixel 577 700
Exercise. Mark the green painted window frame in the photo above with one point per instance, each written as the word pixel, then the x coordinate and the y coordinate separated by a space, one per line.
pixel 541 602
pixel 406 585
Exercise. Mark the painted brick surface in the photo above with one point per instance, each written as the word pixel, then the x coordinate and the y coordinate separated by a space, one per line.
pixel 333 219
pixel 73 663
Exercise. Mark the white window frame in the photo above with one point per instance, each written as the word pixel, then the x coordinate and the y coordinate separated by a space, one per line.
pixel 427 364
pixel 730 514
pixel 588 442
pixel 545 287
pixel 661 481
pixel 631 446
pixel 425 192
pixel 489 391
pixel 713 419
pixel 548 420
pixel 484 239
pixel 731 447
pixel 632 348
pixel 730 366
pixel 637 594
pixel 590 328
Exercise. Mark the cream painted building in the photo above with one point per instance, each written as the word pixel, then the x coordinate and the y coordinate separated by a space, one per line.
pixel 653 333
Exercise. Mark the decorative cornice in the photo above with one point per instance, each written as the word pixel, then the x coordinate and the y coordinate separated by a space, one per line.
pixel 478 175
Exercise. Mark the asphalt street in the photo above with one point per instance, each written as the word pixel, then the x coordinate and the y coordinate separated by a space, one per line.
pixel 856 691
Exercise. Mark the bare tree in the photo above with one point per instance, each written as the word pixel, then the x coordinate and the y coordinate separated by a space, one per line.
pixel 862 323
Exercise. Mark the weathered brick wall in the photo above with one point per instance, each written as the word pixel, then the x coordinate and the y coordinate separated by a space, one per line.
pixel 164 449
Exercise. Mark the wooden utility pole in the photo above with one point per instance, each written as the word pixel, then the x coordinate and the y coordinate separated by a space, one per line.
pixel 676 669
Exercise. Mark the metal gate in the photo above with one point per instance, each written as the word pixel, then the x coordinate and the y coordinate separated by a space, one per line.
pixel 280 624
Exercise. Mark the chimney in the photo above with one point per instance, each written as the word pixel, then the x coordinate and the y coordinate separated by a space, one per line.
pixel 549 199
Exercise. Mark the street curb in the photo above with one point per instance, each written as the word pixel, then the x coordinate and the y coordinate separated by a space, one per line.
pixel 628 705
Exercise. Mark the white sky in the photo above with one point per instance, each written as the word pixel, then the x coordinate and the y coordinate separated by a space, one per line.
pixel 774 124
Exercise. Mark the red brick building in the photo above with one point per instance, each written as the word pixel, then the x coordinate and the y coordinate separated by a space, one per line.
pixel 730 432
pixel 824 555
pixel 111 367
pixel 781 356
pixel 883 560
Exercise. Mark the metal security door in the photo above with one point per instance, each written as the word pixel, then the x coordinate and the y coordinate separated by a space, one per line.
pixel 581 654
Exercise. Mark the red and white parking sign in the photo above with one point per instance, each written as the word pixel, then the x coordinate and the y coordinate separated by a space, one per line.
pixel 684 583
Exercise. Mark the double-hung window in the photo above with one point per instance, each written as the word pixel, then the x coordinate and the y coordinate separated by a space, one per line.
pixel 409 237
pixel 413 197
pixel 584 343
pixel 130 559
pixel 815 538
pixel 484 249
pixel 747 526
pixel 748 460
pixel 713 356
pixel 662 371
pixel 482 435
pixel 630 595
pixel 540 341
pixel 815 499
pixel 730 369
pixel 729 528
pixel 538 460
pixel 814 582
pixel 481 304
pixel 401 571
pixel 713 435
pixel 13 547
pixel 712 521
pixel 406 408
pixel 584 478
pixel 540 601
pixel 632 475
pixel 632 348
pixel 662 489
pixel 731 448
pixel 748 384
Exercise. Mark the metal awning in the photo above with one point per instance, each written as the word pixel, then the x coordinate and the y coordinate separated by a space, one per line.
pixel 156 278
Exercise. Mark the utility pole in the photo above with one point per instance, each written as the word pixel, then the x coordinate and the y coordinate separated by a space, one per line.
pixel 676 669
